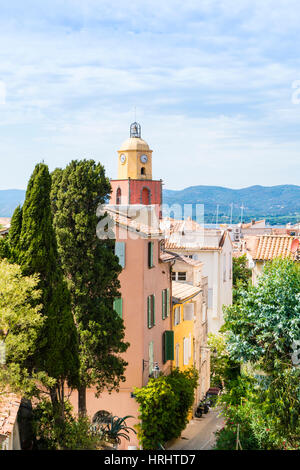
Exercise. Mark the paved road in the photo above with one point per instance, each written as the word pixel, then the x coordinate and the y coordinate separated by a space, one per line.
pixel 199 433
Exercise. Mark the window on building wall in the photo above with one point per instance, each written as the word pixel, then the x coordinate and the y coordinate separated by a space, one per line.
pixel 185 351
pixel 178 276
pixel 190 346
pixel 177 316
pixel 165 308
pixel 150 254
pixel 168 346
pixel 181 276
pixel 145 196
pixel 188 311
pixel 151 310
pixel 143 170
pixel 118 197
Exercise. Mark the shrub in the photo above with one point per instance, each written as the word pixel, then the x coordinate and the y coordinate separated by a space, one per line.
pixel 71 434
pixel 164 406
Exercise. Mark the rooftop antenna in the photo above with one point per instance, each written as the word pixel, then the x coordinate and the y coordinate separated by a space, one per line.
pixel 217 216
pixel 242 212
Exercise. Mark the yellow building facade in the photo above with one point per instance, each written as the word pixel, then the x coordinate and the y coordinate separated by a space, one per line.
pixel 183 296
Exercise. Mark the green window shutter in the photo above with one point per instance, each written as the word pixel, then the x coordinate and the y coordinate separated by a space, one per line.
pixel 120 252
pixel 150 254
pixel 163 306
pixel 149 311
pixel 168 346
pixel 118 306
pixel 153 307
pixel 168 302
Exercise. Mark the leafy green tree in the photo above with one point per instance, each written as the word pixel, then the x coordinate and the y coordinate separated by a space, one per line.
pixel 265 323
pixel 263 328
pixel 77 433
pixel 14 234
pixel 20 326
pixel 91 269
pixel 4 248
pixel 223 368
pixel 36 251
pixel 241 276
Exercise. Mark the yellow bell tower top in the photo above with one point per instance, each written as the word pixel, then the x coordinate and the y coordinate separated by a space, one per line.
pixel 135 157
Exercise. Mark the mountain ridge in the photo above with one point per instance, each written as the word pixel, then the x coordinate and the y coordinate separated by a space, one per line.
pixel 280 202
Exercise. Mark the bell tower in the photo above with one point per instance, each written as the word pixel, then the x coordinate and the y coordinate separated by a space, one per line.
pixel 135 184
pixel 135 156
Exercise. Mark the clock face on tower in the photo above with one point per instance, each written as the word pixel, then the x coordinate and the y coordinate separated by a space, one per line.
pixel 144 158
pixel 123 158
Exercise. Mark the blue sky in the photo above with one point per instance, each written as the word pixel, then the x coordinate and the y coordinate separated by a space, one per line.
pixel 211 81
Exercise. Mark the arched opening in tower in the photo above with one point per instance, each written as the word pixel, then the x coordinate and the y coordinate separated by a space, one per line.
pixel 145 196
pixel 118 197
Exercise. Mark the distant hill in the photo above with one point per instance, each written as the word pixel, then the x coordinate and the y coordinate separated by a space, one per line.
pixel 9 200
pixel 278 204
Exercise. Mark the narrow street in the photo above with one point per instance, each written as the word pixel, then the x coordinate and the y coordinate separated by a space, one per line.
pixel 199 433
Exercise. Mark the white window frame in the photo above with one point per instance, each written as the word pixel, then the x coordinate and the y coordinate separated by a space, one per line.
pixel 185 351
pixel 175 276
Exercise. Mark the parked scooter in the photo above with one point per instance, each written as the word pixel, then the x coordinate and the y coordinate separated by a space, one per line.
pixel 202 408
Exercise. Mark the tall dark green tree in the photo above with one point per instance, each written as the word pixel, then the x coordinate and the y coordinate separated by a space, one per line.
pixel 13 238
pixel 92 270
pixel 35 249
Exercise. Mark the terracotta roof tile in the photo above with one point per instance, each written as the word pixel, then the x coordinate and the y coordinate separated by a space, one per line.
pixel 9 407
pixel 269 247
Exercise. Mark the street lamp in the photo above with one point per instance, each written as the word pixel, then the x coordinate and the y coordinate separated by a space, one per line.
pixel 155 370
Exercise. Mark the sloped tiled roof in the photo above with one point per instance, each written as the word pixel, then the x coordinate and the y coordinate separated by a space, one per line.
pixel 182 291
pixel 133 225
pixel 9 407
pixel 269 247
pixel 252 224
pixel 166 257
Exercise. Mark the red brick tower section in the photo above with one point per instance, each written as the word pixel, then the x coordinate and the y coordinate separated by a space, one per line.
pixel 135 184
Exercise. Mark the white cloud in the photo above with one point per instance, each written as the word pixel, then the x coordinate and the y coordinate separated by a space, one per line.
pixel 217 74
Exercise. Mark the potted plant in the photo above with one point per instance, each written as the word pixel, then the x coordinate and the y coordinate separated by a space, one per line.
pixel 116 429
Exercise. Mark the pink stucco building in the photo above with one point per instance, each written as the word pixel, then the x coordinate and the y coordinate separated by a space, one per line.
pixel 145 303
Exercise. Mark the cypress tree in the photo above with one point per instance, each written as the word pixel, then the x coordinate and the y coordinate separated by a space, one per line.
pixel 36 250
pixel 14 234
pixel 92 271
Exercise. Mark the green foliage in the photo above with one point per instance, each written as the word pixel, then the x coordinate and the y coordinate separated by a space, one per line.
pixel 13 239
pixel 116 429
pixel 21 324
pixel 261 329
pixel 4 248
pixel 241 276
pixel 33 244
pixel 266 321
pixel 164 406
pixel 91 269
pixel 266 410
pixel 222 367
pixel 71 434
